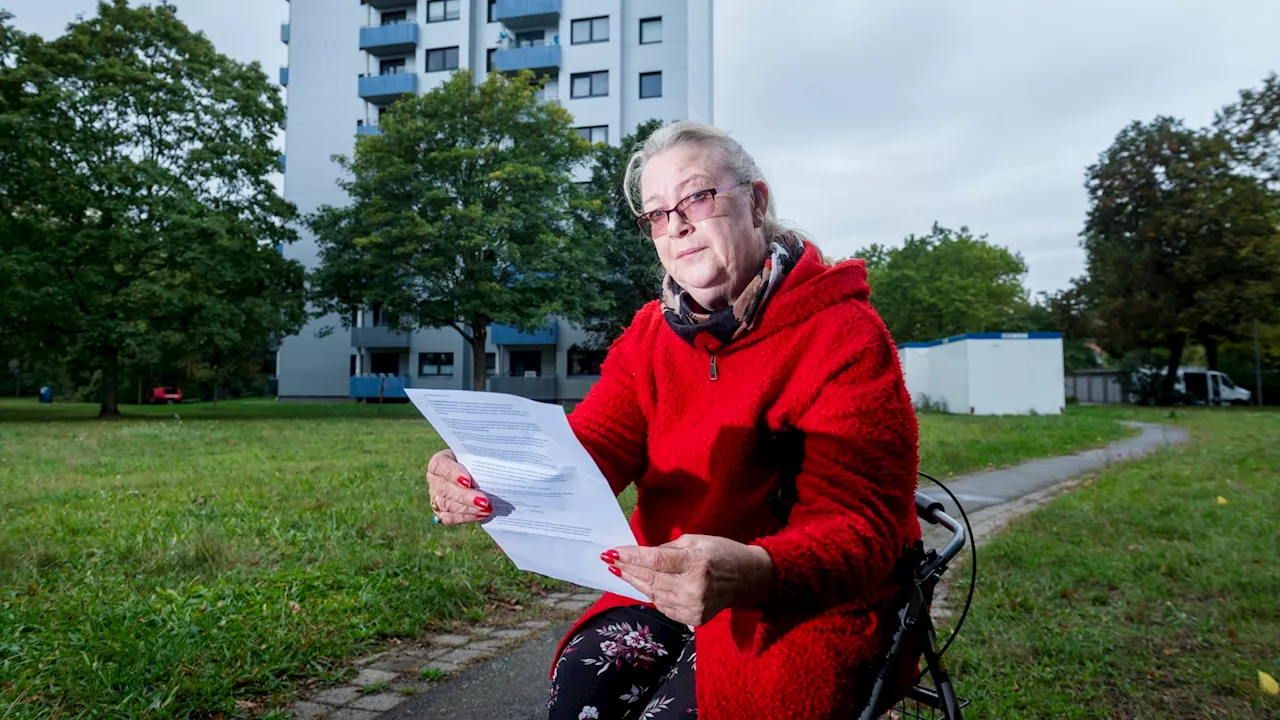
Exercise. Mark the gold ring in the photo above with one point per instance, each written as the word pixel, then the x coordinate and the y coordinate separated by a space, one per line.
pixel 435 506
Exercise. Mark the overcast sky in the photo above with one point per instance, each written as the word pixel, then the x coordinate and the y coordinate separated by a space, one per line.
pixel 874 118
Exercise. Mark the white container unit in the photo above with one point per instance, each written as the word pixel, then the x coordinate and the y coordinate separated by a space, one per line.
pixel 987 373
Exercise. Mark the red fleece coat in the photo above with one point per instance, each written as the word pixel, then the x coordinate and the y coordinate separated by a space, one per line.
pixel 820 362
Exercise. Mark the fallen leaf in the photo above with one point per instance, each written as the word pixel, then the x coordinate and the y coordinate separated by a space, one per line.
pixel 246 705
pixel 295 607
pixel 402 582
pixel 1170 651
pixel 1222 500
pixel 1231 633
pixel 1135 547
pixel 1268 684
pixel 1088 482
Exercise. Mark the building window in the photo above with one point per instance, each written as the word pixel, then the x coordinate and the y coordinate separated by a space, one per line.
pixel 382 318
pixel 595 134
pixel 650 31
pixel 353 366
pixel 391 67
pixel 493 4
pixel 435 364
pixel 491 364
pixel 384 363
pixel 651 85
pixel 524 362
pixel 585 362
pixel 442 59
pixel 441 10
pixel 531 38
pixel 589 30
pixel 488 59
pixel 592 84
pixel 394 18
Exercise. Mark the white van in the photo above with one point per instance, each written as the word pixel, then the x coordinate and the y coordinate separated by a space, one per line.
pixel 1210 387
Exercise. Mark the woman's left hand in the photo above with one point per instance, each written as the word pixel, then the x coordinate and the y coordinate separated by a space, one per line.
pixel 693 578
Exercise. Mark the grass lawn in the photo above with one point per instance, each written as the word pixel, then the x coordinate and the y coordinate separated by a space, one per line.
pixel 1139 595
pixel 184 558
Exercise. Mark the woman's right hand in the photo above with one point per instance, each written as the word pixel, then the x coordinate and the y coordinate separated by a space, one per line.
pixel 454 499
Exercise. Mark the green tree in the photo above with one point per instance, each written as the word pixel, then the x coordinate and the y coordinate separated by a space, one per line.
pixel 1178 244
pixel 1252 124
pixel 148 159
pixel 632 273
pixel 947 283
pixel 463 212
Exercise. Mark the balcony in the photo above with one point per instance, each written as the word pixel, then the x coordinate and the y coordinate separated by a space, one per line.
pixel 388 4
pixel 387 88
pixel 521 14
pixel 380 388
pixel 284 33
pixel 538 58
pixel 280 162
pixel 506 335
pixel 395 39
pixel 284 76
pixel 537 388
pixel 376 337
pixel 368 130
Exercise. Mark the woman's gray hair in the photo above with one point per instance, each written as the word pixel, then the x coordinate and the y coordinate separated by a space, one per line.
pixel 730 152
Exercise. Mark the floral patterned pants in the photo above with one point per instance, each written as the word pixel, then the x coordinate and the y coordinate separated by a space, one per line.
pixel 629 663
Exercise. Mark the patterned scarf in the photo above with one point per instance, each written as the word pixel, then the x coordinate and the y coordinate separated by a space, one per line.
pixel 689 320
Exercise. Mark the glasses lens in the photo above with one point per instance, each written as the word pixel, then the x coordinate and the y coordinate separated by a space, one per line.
pixel 652 224
pixel 698 206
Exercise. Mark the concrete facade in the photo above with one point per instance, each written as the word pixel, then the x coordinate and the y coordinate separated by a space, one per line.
pixel 348 59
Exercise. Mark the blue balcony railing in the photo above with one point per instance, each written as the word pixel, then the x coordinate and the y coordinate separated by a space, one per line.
pixel 385 88
pixel 538 58
pixel 394 39
pixel 284 76
pixel 373 388
pixel 368 130
pixel 507 335
pixel 284 33
pixel 517 14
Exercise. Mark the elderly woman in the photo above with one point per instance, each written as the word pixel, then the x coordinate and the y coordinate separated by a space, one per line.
pixel 760 411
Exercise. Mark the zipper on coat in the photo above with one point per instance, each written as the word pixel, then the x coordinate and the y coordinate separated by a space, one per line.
pixel 715 374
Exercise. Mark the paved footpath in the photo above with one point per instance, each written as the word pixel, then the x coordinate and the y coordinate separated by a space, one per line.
pixel 502 684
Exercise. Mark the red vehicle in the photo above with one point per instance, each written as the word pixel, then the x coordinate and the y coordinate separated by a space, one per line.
pixel 169 395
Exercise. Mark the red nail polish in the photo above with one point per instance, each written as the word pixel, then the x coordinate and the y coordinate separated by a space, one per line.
pixel 609 556
pixel 614 569
pixel 464 481
pixel 482 504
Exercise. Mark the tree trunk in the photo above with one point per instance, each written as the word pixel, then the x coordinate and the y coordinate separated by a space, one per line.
pixel 110 407
pixel 1177 342
pixel 479 370
pixel 1211 351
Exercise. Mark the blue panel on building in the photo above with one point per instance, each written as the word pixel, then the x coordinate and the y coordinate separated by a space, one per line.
pixel 518 13
pixel 507 335
pixel 388 86
pixel 372 388
pixel 398 37
pixel 533 57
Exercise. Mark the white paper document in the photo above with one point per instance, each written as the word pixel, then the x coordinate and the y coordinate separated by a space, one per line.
pixel 553 510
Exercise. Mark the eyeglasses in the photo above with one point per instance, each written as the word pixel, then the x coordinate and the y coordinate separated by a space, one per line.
pixel 693 208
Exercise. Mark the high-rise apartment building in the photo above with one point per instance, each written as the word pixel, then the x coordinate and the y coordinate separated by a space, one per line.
pixel 613 64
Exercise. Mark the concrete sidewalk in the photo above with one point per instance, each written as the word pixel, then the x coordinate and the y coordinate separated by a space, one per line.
pixel 513 686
